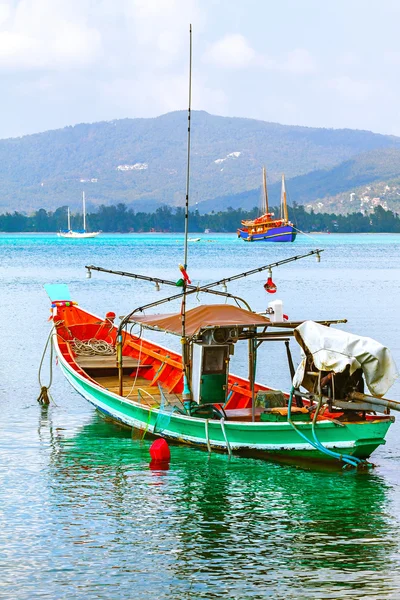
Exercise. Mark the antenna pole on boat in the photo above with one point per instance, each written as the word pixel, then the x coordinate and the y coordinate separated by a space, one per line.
pixel 265 191
pixel 188 154
pixel 186 396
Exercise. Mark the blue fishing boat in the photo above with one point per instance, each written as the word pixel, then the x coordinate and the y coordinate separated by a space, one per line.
pixel 266 228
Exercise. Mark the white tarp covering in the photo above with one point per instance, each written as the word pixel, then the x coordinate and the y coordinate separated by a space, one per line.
pixel 334 349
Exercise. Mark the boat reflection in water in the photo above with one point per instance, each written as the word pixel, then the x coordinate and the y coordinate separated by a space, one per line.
pixel 213 524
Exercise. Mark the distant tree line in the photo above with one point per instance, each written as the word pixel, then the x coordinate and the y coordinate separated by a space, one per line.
pixel 118 218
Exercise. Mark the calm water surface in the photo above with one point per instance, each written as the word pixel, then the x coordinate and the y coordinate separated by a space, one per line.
pixel 81 513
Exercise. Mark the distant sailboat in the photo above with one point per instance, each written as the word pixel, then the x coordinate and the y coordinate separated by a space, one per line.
pixel 266 228
pixel 69 233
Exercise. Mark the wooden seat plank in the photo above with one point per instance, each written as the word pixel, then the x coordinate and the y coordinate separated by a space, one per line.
pixel 102 362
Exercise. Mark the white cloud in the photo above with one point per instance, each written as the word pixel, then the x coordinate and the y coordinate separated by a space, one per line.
pixel 166 93
pixel 350 89
pixel 68 61
pixel 349 59
pixel 160 28
pixel 232 51
pixel 392 57
pixel 46 34
pixel 4 12
pixel 298 62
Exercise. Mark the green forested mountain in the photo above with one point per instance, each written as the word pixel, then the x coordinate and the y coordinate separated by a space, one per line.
pixel 142 162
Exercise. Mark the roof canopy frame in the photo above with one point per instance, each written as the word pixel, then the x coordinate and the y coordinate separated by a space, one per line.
pixel 216 316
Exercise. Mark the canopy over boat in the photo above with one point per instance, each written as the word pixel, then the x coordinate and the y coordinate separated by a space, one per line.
pixel 202 317
pixel 334 350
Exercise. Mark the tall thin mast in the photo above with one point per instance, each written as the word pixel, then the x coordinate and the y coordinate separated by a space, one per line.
pixel 84 211
pixel 186 396
pixel 284 211
pixel 265 191
pixel 188 152
pixel 69 219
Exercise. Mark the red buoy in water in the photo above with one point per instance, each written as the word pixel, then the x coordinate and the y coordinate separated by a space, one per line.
pixel 159 451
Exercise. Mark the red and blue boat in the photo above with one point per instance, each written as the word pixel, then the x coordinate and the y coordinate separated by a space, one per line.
pixel 266 228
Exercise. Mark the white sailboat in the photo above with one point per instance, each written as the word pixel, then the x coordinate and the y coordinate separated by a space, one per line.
pixel 69 233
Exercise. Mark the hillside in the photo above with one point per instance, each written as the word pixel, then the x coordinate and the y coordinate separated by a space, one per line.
pixel 368 179
pixel 142 162
pixel 364 198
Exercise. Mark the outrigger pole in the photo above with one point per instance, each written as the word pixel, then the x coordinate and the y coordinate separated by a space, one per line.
pixel 196 289
pixel 159 281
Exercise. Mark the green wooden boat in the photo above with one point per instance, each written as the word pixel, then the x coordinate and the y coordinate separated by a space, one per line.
pixel 197 401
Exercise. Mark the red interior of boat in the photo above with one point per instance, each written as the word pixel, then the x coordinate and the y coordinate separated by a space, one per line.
pixel 157 365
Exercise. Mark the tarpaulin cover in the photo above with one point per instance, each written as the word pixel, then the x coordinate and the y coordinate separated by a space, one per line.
pixel 334 349
pixel 206 315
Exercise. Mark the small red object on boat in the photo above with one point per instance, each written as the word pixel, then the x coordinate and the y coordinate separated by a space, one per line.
pixel 159 451
pixel 184 274
pixel 270 286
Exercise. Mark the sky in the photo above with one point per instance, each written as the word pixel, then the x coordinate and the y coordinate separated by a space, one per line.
pixel 299 62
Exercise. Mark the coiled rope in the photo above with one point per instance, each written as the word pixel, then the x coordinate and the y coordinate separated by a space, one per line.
pixel 92 347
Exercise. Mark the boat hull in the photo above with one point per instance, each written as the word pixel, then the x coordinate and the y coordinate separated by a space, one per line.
pixel 277 440
pixel 275 234
pixel 76 235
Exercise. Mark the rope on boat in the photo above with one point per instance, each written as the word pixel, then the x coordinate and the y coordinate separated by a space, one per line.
pixel 303 232
pixel 352 460
pixel 346 458
pixel 92 347
pixel 45 396
pixel 147 394
pixel 228 446
pixel 145 430
pixel 207 436
pixel 138 366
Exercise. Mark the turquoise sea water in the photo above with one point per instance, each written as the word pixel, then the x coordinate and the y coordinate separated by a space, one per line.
pixel 82 515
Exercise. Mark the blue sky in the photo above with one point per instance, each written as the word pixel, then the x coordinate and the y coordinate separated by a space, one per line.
pixel 300 62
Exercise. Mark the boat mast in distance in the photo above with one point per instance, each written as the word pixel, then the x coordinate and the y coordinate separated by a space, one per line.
pixel 284 210
pixel 84 212
pixel 69 233
pixel 265 207
pixel 267 228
